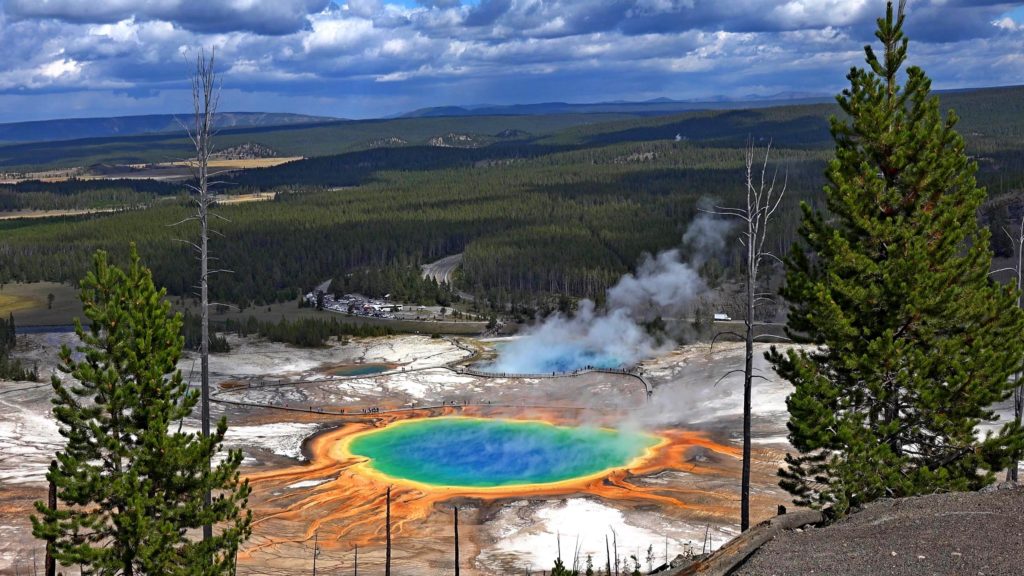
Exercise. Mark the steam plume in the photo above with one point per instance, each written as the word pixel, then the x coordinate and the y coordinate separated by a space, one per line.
pixel 663 285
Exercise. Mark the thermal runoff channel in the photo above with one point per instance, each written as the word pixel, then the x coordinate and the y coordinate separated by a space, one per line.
pixel 484 453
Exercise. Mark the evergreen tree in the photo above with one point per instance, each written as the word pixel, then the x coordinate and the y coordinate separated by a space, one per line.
pixel 914 341
pixel 560 570
pixel 11 368
pixel 129 480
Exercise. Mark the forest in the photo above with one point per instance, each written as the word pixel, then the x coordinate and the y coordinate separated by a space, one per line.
pixel 84 194
pixel 563 213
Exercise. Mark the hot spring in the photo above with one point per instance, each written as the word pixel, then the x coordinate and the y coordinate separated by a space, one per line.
pixel 486 453
pixel 367 369
pixel 523 357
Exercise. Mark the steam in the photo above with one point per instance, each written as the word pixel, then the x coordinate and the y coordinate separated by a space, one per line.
pixel 706 236
pixel 663 285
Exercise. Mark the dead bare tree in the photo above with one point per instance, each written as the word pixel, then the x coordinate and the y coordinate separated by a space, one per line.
pixel 615 547
pixel 456 541
pixel 576 556
pixel 762 202
pixel 387 521
pixel 50 566
pixel 316 549
pixel 1018 393
pixel 205 98
pixel 607 556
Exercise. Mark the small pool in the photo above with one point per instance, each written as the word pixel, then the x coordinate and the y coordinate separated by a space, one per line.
pixel 484 453
pixel 360 369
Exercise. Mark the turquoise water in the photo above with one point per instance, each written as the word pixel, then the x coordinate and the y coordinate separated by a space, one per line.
pixel 524 356
pixel 489 453
pixel 361 370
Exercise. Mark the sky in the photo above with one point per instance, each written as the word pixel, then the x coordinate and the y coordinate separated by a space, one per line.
pixel 375 58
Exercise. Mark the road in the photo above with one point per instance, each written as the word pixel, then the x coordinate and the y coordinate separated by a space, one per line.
pixel 441 271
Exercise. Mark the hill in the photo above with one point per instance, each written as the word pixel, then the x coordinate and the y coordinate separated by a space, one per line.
pixel 958 533
pixel 653 107
pixel 76 128
pixel 311 139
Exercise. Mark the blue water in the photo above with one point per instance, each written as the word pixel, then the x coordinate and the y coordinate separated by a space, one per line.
pixel 577 361
pixel 361 370
pixel 488 453
pixel 520 357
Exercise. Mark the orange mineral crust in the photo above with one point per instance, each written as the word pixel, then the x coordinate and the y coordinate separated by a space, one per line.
pixel 340 497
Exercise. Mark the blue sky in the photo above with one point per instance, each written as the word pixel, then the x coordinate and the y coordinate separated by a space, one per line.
pixel 372 58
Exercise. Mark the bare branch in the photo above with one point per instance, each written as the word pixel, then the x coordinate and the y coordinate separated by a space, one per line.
pixel 714 339
pixel 180 222
pixel 777 337
pixel 727 374
pixel 188 242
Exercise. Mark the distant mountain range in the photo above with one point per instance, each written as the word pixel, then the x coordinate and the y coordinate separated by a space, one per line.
pixel 75 128
pixel 653 107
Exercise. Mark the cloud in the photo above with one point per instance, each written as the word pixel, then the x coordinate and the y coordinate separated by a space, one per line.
pixel 439 3
pixel 378 57
pixel 337 34
pixel 260 16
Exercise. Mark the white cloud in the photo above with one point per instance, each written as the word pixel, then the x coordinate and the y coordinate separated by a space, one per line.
pixel 1008 24
pixel 62 67
pixel 383 56
pixel 261 16
pixel 337 34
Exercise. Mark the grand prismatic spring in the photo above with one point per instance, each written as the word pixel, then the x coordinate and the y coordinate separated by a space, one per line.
pixel 479 459
pixel 486 453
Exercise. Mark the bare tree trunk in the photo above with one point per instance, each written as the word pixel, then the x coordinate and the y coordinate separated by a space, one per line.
pixel 615 547
pixel 1018 409
pixel 355 563
pixel 456 541
pixel 205 99
pixel 316 549
pixel 762 202
pixel 205 96
pixel 607 556
pixel 1018 393
pixel 50 564
pixel 748 377
pixel 387 522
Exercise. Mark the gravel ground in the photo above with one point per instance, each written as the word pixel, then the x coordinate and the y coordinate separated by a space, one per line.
pixel 964 534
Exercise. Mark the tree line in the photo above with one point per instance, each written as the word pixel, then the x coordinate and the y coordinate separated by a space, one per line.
pixel 10 367
pixel 304 332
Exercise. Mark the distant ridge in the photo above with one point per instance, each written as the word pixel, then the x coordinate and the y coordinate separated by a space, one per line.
pixel 652 107
pixel 75 128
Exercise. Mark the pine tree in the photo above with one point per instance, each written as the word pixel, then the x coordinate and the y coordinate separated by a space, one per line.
pixel 560 570
pixel 914 342
pixel 129 480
